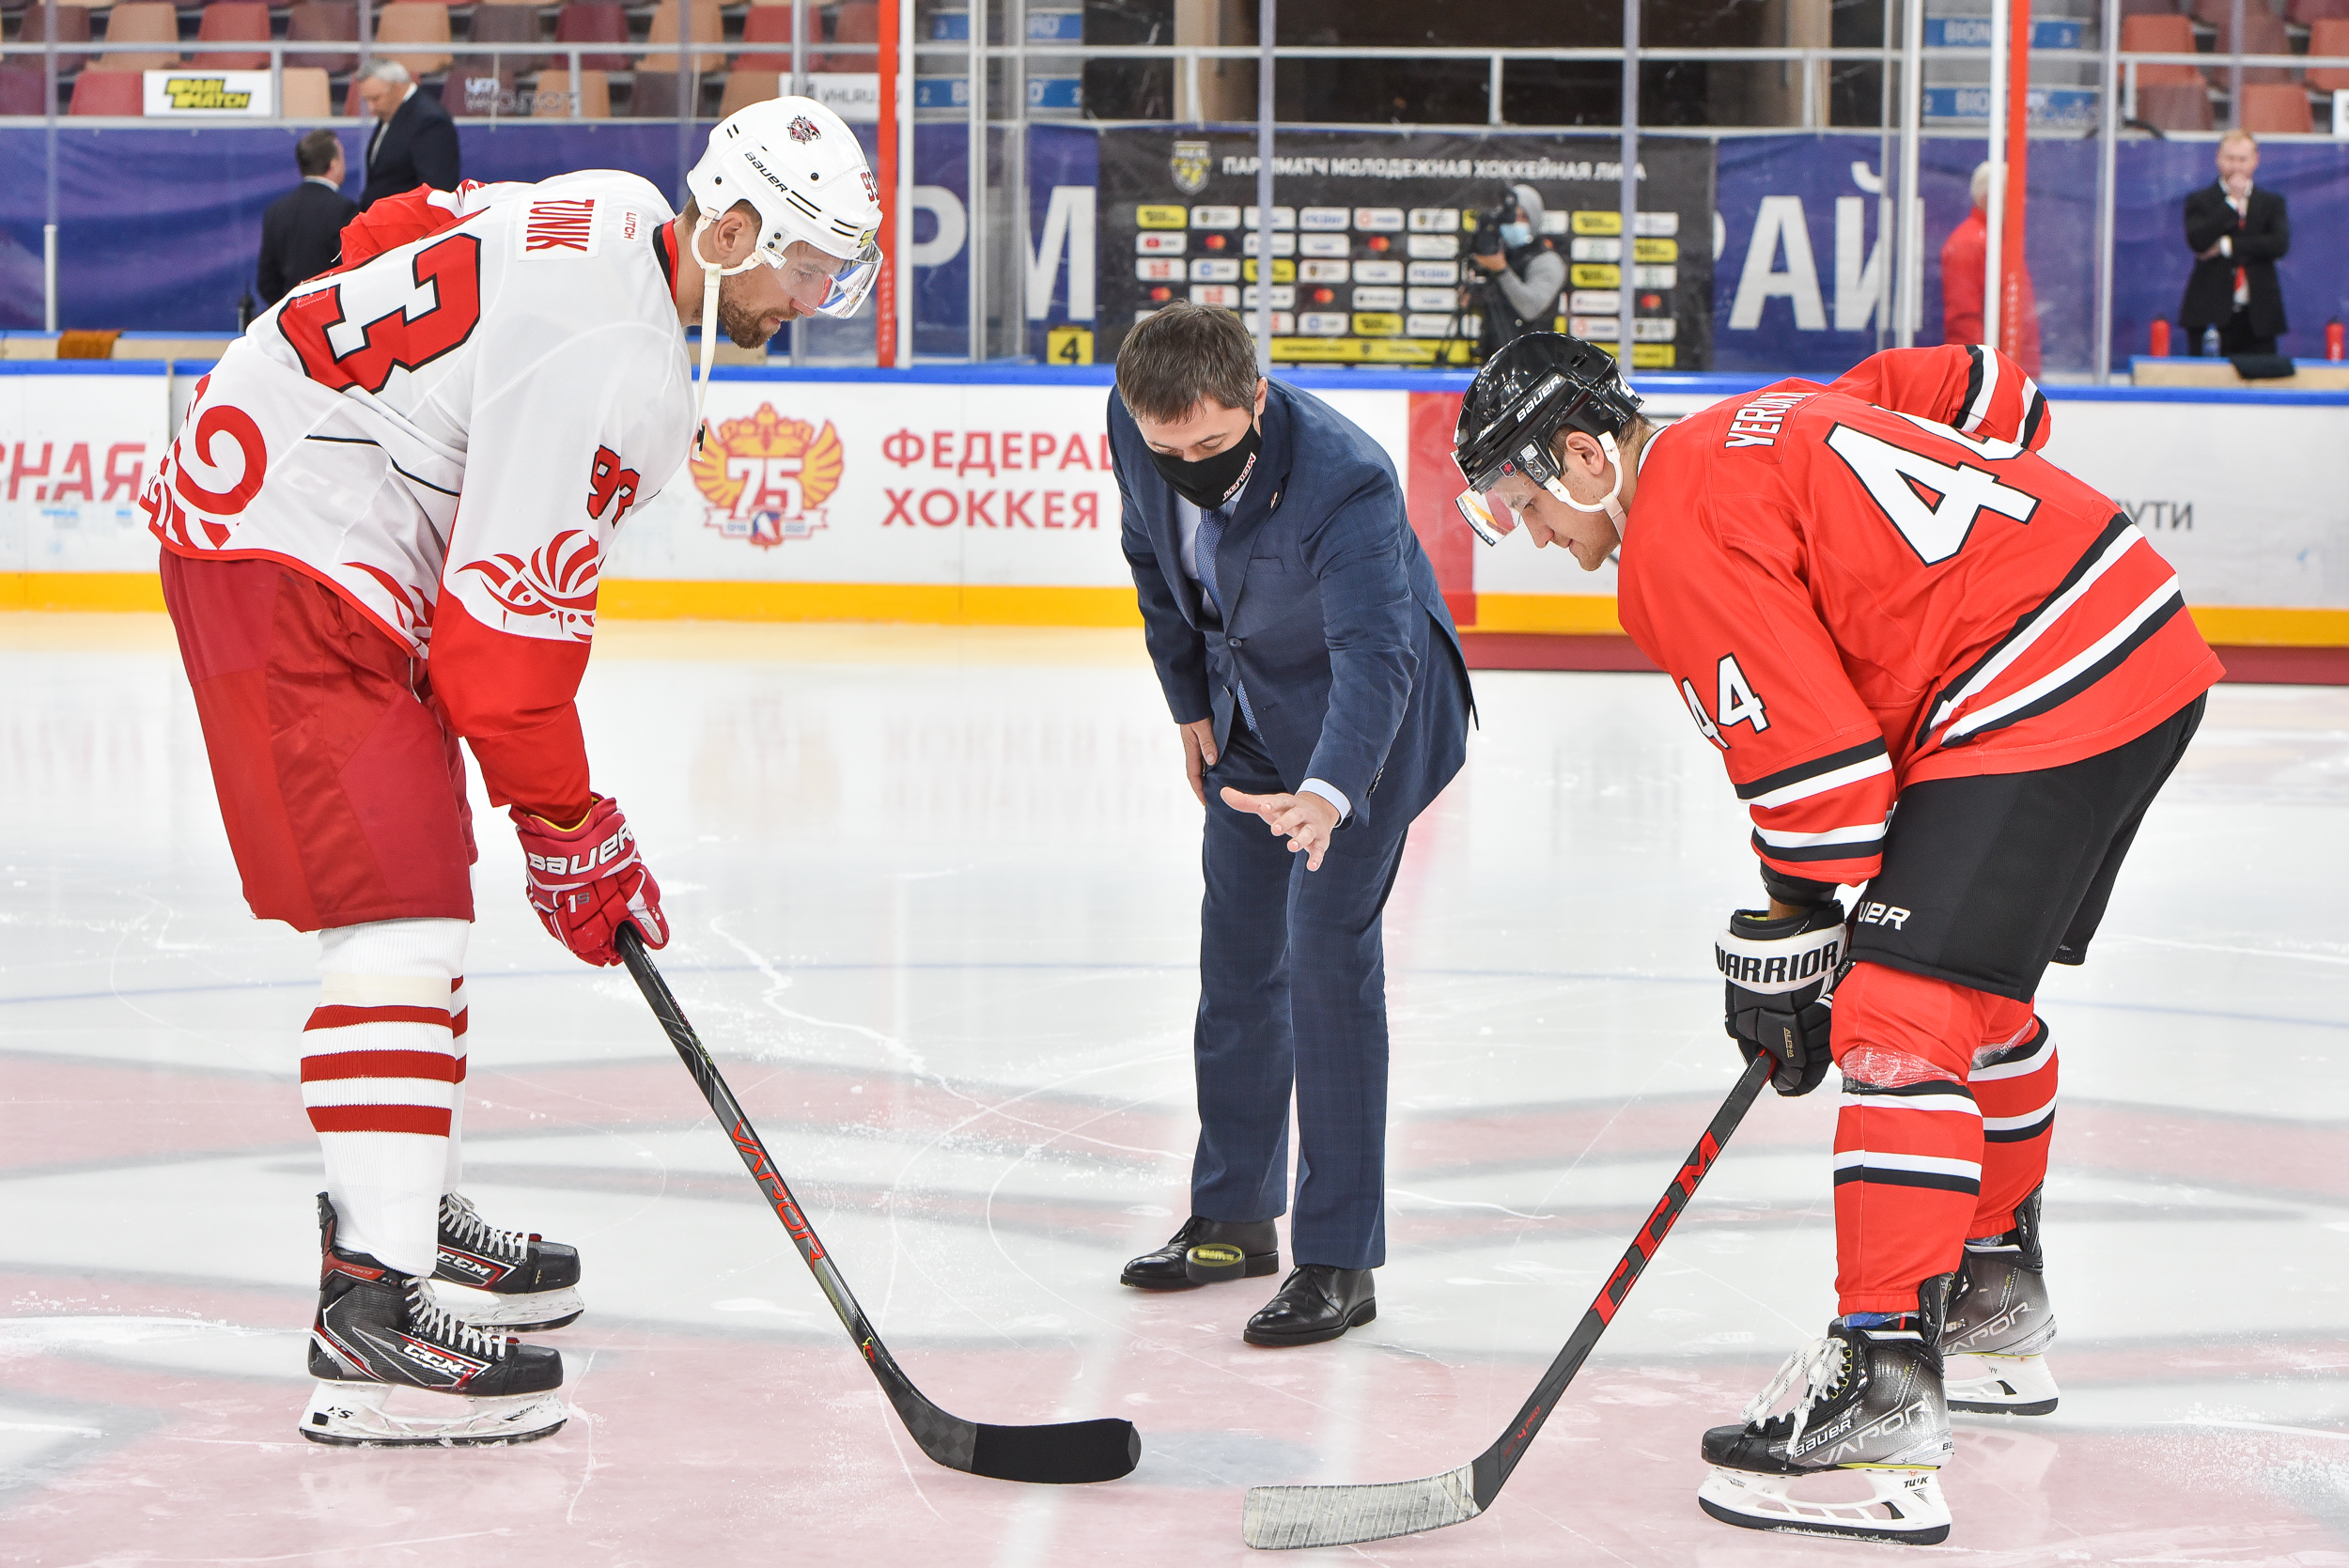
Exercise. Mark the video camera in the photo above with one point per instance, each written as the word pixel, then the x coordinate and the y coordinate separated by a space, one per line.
pixel 1485 240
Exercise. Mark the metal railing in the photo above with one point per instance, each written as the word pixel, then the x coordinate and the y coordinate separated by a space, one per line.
pixel 1811 64
pixel 995 108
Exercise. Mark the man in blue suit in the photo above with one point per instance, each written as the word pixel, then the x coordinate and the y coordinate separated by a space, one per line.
pixel 1309 662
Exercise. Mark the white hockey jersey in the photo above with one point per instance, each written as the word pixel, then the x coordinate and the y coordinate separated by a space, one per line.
pixel 447 435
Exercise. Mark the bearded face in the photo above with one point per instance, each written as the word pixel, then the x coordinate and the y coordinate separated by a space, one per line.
pixel 745 324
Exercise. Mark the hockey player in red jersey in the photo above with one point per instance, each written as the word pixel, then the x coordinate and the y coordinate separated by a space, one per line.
pixel 382 525
pixel 1868 595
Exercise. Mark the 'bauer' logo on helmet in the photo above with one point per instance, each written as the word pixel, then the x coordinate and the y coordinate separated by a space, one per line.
pixel 801 129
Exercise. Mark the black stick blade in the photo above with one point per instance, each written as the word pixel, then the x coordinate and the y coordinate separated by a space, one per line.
pixel 1069 1454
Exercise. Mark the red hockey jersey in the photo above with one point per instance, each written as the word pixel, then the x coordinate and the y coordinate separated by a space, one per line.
pixel 1861 585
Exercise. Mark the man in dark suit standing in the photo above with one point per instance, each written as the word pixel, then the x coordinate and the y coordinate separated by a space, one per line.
pixel 1307 656
pixel 2237 234
pixel 414 142
pixel 301 231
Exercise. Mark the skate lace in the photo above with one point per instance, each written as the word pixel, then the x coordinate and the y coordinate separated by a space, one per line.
pixel 428 1319
pixel 1819 1367
pixel 458 1219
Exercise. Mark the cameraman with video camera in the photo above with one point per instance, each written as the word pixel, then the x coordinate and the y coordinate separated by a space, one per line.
pixel 1523 274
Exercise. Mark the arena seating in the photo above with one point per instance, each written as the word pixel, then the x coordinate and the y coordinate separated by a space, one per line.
pixel 855 22
pixel 2330 34
pixel 323 21
pixel 594 22
pixel 73 26
pixel 23 92
pixel 233 22
pixel 307 94
pixel 2276 109
pixel 414 22
pixel 707 27
pixel 503 22
pixel 2262 34
pixel 2174 106
pixel 107 92
pixel 745 87
pixel 554 100
pixel 2171 34
pixel 140 22
pixel 766 24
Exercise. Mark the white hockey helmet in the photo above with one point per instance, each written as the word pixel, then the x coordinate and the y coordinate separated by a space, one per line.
pixel 800 167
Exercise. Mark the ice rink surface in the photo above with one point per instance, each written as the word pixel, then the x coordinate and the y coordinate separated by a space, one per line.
pixel 936 897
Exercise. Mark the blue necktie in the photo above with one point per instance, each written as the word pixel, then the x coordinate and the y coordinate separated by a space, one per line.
pixel 1211 526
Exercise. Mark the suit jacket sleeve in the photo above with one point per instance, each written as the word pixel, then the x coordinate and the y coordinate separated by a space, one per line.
pixel 2207 218
pixel 1369 619
pixel 269 278
pixel 1176 649
pixel 433 153
pixel 2265 242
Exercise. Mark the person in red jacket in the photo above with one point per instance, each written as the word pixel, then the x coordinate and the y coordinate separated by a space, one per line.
pixel 1868 595
pixel 1964 257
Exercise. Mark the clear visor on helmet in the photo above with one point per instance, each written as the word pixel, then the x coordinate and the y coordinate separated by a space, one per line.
pixel 1490 516
pixel 813 277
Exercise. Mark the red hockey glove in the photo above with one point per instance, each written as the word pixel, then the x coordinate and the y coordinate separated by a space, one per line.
pixel 586 881
pixel 1779 975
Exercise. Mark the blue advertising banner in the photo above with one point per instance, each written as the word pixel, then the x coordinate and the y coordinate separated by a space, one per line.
pixel 1801 273
pixel 159 230
pixel 1058 266
pixel 2149 233
pixel 1800 255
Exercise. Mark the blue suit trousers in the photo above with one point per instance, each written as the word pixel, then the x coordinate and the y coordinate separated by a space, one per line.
pixel 1292 995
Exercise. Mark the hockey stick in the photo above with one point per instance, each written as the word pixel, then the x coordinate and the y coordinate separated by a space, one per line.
pixel 1067 1452
pixel 1280 1517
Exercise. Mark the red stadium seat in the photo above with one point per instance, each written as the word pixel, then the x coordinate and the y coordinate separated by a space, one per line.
pixel 504 24
pixel 324 22
pixel 766 25
pixel 2308 13
pixel 234 22
pixel 593 21
pixel 2329 36
pixel 856 22
pixel 141 21
pixel 2160 35
pixel 108 92
pixel 72 24
pixel 2262 34
pixel 22 92
pixel 2276 109
pixel 2174 106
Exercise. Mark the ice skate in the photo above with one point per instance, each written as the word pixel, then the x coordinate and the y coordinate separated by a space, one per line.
pixel 1994 1348
pixel 379 1337
pixel 1868 1417
pixel 531 1285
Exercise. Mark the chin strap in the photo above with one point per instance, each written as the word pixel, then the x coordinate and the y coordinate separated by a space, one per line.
pixel 711 273
pixel 1610 503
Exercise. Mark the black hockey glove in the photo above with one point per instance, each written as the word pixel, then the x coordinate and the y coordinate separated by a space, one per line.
pixel 1777 975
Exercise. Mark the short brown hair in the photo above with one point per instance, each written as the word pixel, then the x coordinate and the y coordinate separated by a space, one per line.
pixel 1174 359
pixel 316 152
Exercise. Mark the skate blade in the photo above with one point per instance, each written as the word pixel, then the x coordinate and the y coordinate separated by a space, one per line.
pixel 1904 1506
pixel 536 1312
pixel 1999 1385
pixel 354 1415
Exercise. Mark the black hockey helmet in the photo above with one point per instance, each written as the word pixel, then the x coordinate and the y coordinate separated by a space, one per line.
pixel 1517 405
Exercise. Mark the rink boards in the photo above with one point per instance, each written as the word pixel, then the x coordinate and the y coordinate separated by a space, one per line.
pixel 983 495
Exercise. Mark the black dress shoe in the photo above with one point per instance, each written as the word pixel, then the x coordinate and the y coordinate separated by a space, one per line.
pixel 1164 1269
pixel 1317 1301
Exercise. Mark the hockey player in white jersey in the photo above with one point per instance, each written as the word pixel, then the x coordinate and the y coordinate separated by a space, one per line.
pixel 382 525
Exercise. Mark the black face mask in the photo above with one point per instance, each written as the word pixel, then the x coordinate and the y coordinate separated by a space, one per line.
pixel 1210 482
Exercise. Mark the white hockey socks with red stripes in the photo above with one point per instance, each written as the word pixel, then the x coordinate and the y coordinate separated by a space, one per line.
pixel 383 1077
